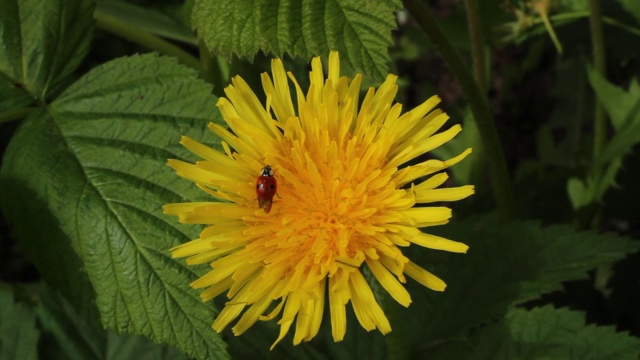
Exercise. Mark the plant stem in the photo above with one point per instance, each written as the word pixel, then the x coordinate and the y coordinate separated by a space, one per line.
pixel 397 348
pixel 477 42
pixel 600 120
pixel 211 71
pixel 552 33
pixel 597 40
pixel 144 38
pixel 605 19
pixel 503 193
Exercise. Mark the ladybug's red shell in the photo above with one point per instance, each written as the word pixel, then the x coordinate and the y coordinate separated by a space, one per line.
pixel 266 188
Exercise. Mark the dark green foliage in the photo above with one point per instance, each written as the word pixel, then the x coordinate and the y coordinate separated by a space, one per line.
pixel 18 333
pixel 102 145
pixel 360 30
pixel 542 333
pixel 86 132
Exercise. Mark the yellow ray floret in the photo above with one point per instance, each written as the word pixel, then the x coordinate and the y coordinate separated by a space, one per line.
pixel 345 199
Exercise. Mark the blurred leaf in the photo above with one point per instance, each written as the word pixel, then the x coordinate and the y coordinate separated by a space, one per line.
pixel 571 5
pixel 532 261
pixel 545 145
pixel 608 179
pixel 74 337
pixel 93 166
pixel 148 20
pixel 472 170
pixel 632 7
pixel 621 106
pixel 579 194
pixel 18 332
pixel 357 344
pixel 478 290
pixel 582 194
pixel 360 30
pixel 620 144
pixel 542 333
pixel 571 104
pixel 566 254
pixel 41 43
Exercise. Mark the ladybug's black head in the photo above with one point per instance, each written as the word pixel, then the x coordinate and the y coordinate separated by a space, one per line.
pixel 266 171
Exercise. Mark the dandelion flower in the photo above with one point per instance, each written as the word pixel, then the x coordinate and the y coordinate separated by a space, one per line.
pixel 344 200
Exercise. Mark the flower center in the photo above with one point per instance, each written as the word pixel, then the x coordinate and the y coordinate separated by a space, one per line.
pixel 327 213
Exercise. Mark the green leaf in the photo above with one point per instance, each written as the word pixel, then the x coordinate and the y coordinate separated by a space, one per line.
pixel 632 7
pixel 256 343
pixel 472 169
pixel 506 263
pixel 621 106
pixel 608 178
pixel 542 333
pixel 360 30
pixel 570 95
pixel 18 333
pixel 12 94
pixel 41 43
pixel 566 254
pixel 620 144
pixel 93 165
pixel 579 193
pixel 149 20
pixel 478 290
pixel 75 337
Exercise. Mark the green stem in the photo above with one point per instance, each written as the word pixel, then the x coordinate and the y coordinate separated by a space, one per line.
pixel 477 42
pixel 600 120
pixel 552 33
pixel 597 39
pixel 605 19
pixel 144 38
pixel 503 193
pixel 397 348
pixel 15 114
pixel 211 71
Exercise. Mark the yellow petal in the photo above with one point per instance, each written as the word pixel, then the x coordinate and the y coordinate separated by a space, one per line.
pixel 447 194
pixel 317 311
pixel 390 283
pixel 290 310
pixel 428 167
pixel 437 242
pixel 423 216
pixel 227 315
pixel 337 301
pixel 192 247
pixel 251 316
pixel 216 289
pixel 364 301
pixel 340 200
pixel 424 277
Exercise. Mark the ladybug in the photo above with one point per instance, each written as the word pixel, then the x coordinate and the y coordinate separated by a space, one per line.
pixel 266 187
